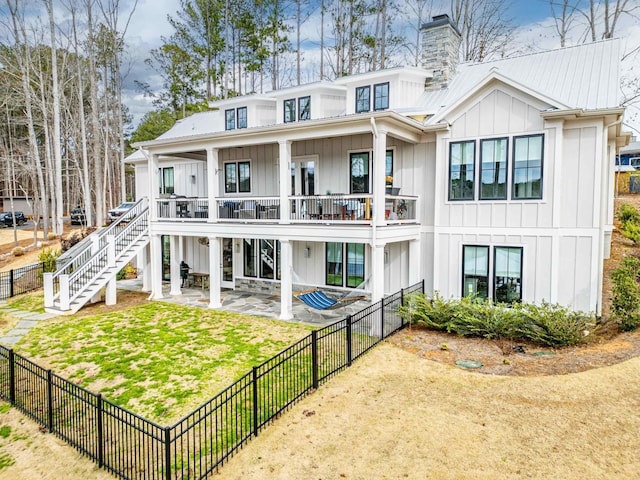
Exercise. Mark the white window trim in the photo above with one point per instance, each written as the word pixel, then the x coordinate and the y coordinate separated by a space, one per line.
pixel 224 183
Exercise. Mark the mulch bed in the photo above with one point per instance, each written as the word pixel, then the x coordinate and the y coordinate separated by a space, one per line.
pixel 503 357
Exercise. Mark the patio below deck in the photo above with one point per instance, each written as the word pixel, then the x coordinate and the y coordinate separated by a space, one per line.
pixel 264 305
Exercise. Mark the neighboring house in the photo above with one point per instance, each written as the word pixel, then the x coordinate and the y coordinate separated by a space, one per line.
pixel 493 179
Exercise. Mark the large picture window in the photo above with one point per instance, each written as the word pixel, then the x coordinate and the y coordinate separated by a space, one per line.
pixel 261 258
pixel 507 286
pixel 359 172
pixel 493 169
pixel 527 167
pixel 381 96
pixel 304 108
pixel 250 254
pixel 363 99
pixel 237 177
pixel 388 169
pixel 462 170
pixel 289 110
pixel 335 266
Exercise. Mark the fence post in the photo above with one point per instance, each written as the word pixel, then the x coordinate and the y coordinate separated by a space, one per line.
pixel 100 431
pixel 167 453
pixel 402 305
pixel 49 401
pixel 382 334
pixel 349 346
pixel 422 286
pixel 314 358
pixel 255 400
pixel 12 377
pixel 11 283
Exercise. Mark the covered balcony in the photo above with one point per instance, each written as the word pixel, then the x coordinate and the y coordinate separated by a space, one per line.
pixel 321 209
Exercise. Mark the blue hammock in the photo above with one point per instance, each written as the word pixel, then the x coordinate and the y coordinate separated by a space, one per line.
pixel 318 300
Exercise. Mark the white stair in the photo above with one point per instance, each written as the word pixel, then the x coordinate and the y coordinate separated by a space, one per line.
pixel 110 249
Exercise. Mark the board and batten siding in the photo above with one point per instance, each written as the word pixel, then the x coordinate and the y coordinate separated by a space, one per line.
pixel 560 236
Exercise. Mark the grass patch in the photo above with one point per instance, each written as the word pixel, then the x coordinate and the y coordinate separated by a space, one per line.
pixel 159 360
pixel 33 302
pixel 5 431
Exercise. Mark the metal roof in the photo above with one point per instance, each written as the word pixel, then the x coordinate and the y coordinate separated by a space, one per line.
pixel 584 76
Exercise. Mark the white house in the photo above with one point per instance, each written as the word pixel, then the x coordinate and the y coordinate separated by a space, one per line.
pixel 491 179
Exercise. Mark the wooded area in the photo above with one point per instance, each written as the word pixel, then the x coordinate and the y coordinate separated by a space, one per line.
pixel 63 131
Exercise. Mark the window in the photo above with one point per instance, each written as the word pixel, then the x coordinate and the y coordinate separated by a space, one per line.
pixel 267 258
pixel 354 253
pixel 237 177
pixel 290 110
pixel 461 170
pixel 250 254
pixel 493 169
pixel 241 114
pixel 388 169
pixel 304 108
pixel 165 180
pixel 527 167
pixel 381 96
pixel 475 272
pixel 230 119
pixel 363 99
pixel 507 273
pixel 507 286
pixel 359 172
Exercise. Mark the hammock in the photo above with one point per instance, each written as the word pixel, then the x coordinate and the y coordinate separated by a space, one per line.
pixel 320 301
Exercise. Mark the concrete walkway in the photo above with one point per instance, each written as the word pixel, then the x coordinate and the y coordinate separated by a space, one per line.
pixel 27 320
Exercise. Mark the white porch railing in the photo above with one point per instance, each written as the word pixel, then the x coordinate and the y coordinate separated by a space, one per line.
pixel 182 209
pixel 332 208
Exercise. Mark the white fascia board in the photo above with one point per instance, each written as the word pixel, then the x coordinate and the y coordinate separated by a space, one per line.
pixel 495 77
pixel 241 101
pixel 309 89
pixel 415 72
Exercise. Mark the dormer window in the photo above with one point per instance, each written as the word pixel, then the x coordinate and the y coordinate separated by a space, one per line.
pixel 235 118
pixel 304 108
pixel 381 96
pixel 290 110
pixel 230 119
pixel 363 99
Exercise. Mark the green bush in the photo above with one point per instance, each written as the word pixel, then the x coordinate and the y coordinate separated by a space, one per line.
pixel 628 213
pixel 630 222
pixel 48 257
pixel 545 324
pixel 625 307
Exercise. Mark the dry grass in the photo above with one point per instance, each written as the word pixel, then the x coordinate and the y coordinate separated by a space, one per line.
pixel 394 415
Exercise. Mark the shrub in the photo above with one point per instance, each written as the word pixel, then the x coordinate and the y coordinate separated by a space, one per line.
pixel 68 242
pixel 128 271
pixel 628 213
pixel 17 251
pixel 48 258
pixel 52 236
pixel 625 307
pixel 546 324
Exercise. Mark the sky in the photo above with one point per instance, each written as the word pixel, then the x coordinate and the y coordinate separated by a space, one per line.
pixel 149 23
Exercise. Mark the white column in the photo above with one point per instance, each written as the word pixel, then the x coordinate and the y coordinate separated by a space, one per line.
pixel 377 272
pixel 379 170
pixel 110 296
pixel 285 180
pixel 156 267
pixel 174 265
pixel 154 161
pixel 213 183
pixel 110 290
pixel 415 262
pixel 146 269
pixel 286 280
pixel 215 272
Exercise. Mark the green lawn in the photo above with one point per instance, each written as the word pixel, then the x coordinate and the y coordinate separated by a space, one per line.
pixel 159 360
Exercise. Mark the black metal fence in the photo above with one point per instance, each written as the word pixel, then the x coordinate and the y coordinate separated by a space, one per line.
pixel 21 280
pixel 132 447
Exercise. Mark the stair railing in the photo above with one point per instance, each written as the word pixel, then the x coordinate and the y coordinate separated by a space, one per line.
pixel 70 279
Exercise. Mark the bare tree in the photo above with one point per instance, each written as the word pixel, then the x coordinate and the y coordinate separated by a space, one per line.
pixel 564 13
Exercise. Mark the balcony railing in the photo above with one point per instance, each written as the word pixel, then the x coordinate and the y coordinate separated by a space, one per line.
pixel 338 208
pixel 332 208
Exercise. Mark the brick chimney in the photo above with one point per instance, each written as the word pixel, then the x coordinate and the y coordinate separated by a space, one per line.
pixel 440 49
